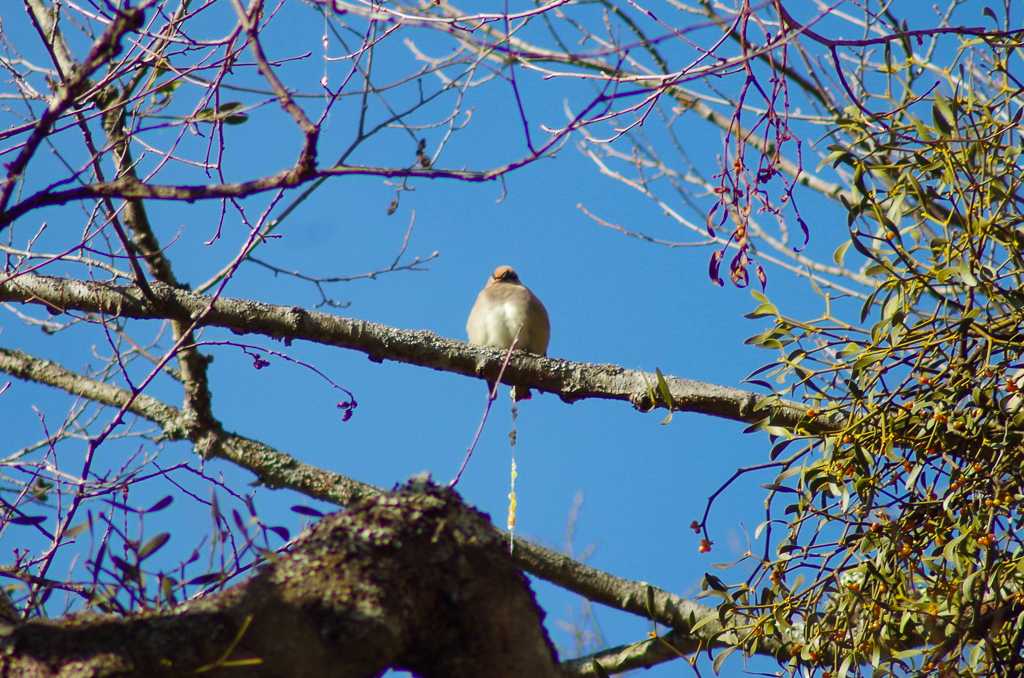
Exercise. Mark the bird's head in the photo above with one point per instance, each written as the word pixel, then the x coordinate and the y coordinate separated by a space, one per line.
pixel 504 274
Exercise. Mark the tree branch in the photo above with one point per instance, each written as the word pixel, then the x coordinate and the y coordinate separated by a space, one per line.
pixel 571 380
pixel 100 54
pixel 413 580
pixel 271 467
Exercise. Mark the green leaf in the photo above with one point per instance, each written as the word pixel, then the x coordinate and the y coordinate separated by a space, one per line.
pixel 228 112
pixel 76 530
pixel 869 302
pixel 840 253
pixel 977 652
pixel 895 211
pixel 165 90
pixel 851 349
pixel 167 590
pixel 837 156
pixel 942 115
pixel 666 396
pixel 949 551
pixel 905 620
pixel 763 310
pixel 967 587
pixel 892 304
pixel 964 271
pixel 924 132
pixel 720 659
pixel 778 447
pixel 704 621
pixel 912 476
pixel 153 545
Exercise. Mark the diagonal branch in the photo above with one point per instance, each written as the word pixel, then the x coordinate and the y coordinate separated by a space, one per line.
pixel 273 468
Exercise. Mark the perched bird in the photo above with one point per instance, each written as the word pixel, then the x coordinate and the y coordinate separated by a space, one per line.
pixel 504 308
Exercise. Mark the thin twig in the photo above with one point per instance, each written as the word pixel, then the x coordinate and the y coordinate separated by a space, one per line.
pixel 491 396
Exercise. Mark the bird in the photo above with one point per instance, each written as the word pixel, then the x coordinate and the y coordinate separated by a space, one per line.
pixel 504 309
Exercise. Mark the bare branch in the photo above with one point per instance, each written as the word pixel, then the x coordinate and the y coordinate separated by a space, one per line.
pixel 572 381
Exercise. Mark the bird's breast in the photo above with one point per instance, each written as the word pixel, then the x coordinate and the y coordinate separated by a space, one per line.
pixel 496 324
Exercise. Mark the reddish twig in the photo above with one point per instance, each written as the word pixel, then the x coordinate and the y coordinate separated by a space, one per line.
pixel 491 396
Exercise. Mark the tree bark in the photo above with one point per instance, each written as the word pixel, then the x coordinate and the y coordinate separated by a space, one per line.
pixel 571 380
pixel 412 580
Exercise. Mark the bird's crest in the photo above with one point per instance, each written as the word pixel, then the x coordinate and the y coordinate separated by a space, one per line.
pixel 505 274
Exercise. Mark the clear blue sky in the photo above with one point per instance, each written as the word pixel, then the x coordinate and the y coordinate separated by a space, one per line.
pixel 611 299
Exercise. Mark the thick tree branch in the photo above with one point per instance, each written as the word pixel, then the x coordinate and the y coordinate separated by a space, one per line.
pixel 571 380
pixel 412 580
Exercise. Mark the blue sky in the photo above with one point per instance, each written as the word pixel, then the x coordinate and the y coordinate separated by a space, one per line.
pixel 611 300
